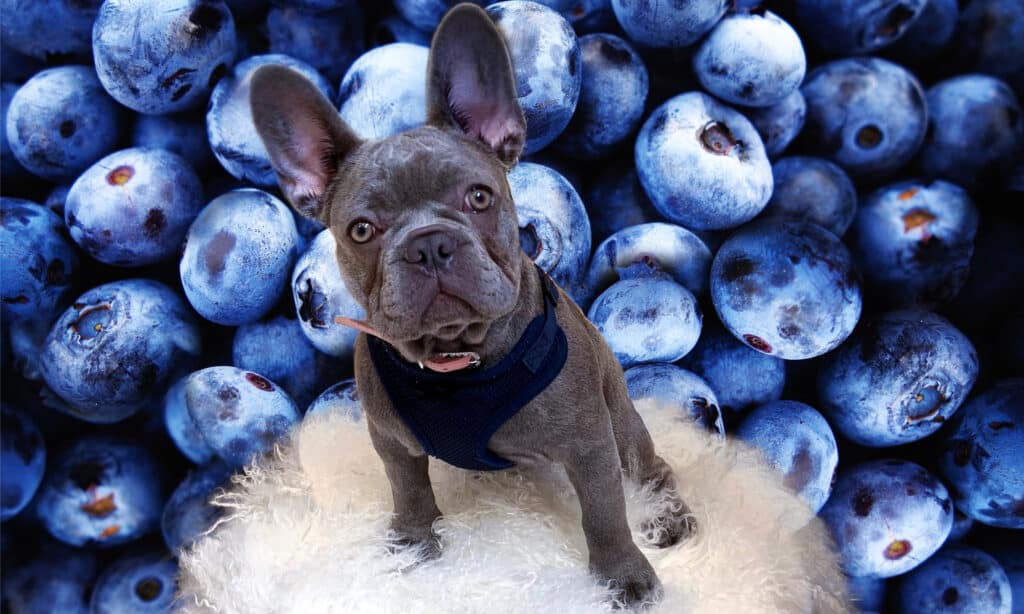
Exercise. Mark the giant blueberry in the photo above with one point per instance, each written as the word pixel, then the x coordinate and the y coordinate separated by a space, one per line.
pixel 22 461
pixel 320 295
pixel 134 206
pixel 797 442
pixel 674 387
pixel 702 163
pixel 887 517
pixel 815 190
pixel 117 348
pixel 898 379
pixel 668 23
pixel 786 288
pixel 914 241
pixel 233 137
pixel 384 91
pixel 239 413
pixel 545 56
pixel 983 454
pixel 865 114
pixel 61 121
pixel 136 583
pixel 238 254
pixel 751 59
pixel 957 579
pixel 101 491
pixel 156 57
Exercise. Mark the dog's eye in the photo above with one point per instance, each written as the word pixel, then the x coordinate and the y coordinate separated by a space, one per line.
pixel 479 198
pixel 361 231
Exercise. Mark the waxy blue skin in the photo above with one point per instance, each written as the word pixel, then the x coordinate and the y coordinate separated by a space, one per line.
pixel 665 23
pixel 616 200
pixel 898 379
pixel 329 41
pixel 341 399
pixel 46 29
pixel 384 91
pixel 929 34
pixel 22 461
pixel 426 14
pixel 856 27
pixel 740 376
pixel 867 115
pixel 868 594
pixel 136 584
pixel 779 124
pixel 162 58
pixel 962 525
pixel 1010 555
pixel 229 126
pixel 182 133
pixel 39 262
pixel 56 579
pixel 672 386
pixel 647 318
pixel 238 255
pixel 188 513
pixel 586 16
pixel 320 296
pixel 787 288
pixel 670 248
pixel 612 97
pixel 61 121
pixel 751 59
pixel 553 225
pixel 546 60
pixel 990 39
pixel 118 347
pixel 239 413
pixel 182 428
pixel 815 190
pixel 696 175
pixel 798 443
pixel 9 166
pixel 983 456
pixel 101 491
pixel 914 241
pixel 975 127
pixel 395 29
pixel 957 579
pixel 294 363
pixel 887 517
pixel 134 206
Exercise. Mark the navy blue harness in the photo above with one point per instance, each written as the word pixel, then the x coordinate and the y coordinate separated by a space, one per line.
pixel 454 415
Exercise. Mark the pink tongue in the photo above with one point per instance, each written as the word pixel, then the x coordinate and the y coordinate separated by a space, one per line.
pixel 447 364
pixel 440 363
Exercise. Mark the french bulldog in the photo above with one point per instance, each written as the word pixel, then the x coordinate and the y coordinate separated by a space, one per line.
pixel 428 243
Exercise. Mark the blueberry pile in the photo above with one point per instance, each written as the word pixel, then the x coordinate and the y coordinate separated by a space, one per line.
pixel 799 221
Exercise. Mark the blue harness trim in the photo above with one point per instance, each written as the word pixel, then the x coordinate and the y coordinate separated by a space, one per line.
pixel 454 415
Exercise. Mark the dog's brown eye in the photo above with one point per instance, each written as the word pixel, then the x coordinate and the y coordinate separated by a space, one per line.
pixel 479 198
pixel 361 231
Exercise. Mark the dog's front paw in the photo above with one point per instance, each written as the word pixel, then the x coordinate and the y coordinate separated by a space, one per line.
pixel 427 543
pixel 670 528
pixel 632 581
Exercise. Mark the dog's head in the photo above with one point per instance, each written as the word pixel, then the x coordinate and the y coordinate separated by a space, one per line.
pixel 426 230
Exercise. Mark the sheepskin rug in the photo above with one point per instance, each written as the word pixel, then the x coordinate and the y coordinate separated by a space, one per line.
pixel 305 531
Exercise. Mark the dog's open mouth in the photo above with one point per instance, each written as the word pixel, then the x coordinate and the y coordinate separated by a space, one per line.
pixel 442 362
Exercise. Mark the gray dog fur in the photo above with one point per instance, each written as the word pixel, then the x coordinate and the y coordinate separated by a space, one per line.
pixel 438 276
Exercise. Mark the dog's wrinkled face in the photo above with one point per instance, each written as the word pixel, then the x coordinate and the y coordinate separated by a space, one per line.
pixel 427 239
pixel 426 230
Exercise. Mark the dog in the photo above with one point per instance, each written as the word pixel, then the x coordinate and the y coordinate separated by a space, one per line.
pixel 468 352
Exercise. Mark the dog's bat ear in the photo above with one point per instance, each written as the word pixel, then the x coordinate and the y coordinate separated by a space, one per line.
pixel 471 84
pixel 303 133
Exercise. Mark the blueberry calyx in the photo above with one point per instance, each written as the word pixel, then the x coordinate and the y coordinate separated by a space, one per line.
pixel 716 138
pixel 869 137
pixel 120 175
pixel 898 549
pixel 530 242
pixel 149 588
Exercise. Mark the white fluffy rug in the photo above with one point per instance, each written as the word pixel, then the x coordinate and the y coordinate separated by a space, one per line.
pixel 305 533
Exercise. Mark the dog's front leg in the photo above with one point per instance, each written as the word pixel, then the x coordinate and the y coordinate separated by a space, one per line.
pixel 596 475
pixel 415 508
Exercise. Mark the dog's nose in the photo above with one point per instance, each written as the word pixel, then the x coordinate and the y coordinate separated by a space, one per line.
pixel 430 247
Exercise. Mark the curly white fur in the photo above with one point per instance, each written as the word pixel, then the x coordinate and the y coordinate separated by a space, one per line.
pixel 305 532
